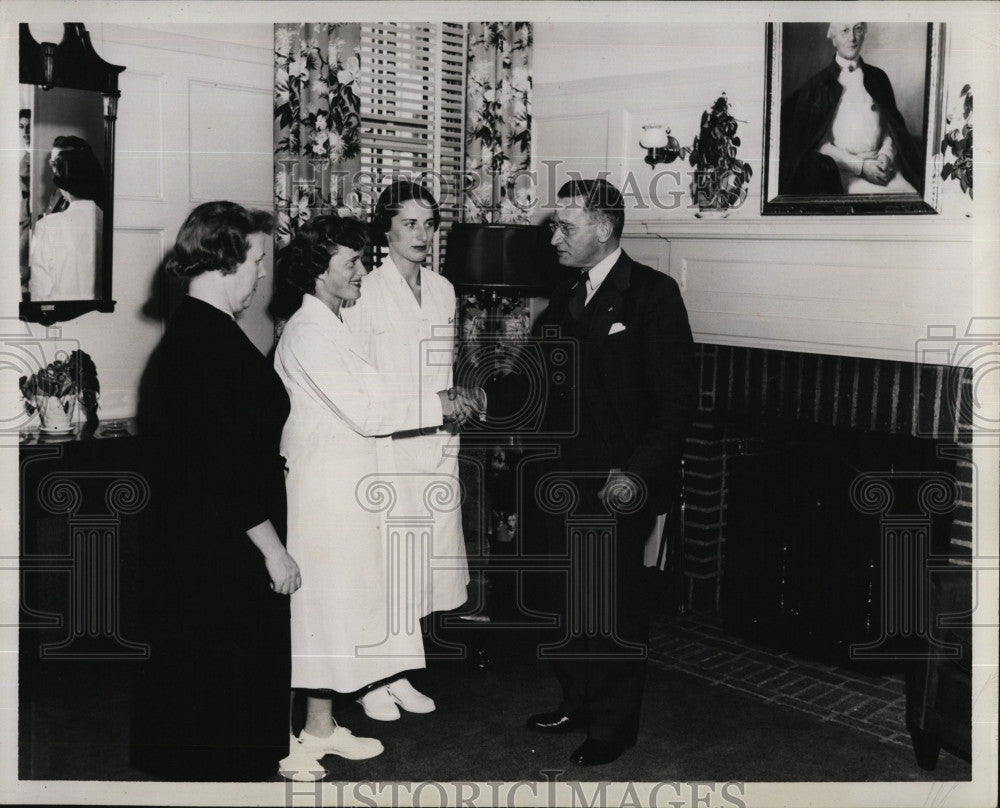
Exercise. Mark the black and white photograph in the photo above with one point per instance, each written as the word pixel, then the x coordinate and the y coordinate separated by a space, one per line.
pixel 499 404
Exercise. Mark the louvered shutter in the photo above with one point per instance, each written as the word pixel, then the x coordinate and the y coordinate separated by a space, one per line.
pixel 412 111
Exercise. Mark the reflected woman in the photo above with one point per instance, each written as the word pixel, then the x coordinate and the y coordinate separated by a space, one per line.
pixel 66 246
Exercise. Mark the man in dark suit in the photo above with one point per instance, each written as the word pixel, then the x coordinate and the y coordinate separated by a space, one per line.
pixel 627 409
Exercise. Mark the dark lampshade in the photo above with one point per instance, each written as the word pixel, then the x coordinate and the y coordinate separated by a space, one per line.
pixel 500 257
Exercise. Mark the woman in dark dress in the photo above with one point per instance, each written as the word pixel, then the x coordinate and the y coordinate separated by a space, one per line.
pixel 212 701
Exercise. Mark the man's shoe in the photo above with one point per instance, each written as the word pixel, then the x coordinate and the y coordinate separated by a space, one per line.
pixel 554 722
pixel 593 752
pixel 342 742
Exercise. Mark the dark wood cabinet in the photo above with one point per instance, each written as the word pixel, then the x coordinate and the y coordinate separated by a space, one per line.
pixel 83 503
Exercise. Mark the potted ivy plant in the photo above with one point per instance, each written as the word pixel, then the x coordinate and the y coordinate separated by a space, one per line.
pixel 54 390
pixel 720 178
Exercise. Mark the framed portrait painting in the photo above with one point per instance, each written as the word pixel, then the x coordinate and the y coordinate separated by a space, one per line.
pixel 852 118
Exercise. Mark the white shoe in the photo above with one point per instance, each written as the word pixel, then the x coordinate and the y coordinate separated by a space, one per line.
pixel 342 742
pixel 300 765
pixel 409 698
pixel 379 704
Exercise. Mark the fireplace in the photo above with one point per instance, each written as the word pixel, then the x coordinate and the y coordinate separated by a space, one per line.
pixel 821 493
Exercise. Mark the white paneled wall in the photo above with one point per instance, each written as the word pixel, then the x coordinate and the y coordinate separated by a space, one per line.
pixel 864 286
pixel 845 297
pixel 194 125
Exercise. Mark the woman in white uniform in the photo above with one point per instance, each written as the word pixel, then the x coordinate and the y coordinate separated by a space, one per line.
pixel 405 321
pixel 344 632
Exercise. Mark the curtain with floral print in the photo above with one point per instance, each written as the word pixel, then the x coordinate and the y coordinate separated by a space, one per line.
pixel 317 108
pixel 498 122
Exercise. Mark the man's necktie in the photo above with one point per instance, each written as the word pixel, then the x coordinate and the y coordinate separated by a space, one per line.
pixel 578 300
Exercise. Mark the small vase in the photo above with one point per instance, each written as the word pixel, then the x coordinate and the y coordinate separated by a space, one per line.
pixel 56 413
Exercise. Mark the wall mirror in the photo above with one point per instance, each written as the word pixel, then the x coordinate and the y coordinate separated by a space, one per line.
pixel 69 103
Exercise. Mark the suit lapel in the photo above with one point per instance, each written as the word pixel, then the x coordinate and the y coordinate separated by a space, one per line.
pixel 605 309
pixel 607 303
pixel 557 312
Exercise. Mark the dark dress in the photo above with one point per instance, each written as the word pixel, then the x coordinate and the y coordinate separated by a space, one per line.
pixel 212 700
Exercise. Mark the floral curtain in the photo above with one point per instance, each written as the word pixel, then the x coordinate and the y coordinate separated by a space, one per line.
pixel 317 121
pixel 498 122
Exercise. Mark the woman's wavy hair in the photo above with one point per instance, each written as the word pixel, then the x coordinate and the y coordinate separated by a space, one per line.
pixel 307 255
pixel 392 198
pixel 216 235
pixel 76 169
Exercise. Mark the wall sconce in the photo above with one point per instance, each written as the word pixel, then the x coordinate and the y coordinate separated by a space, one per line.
pixel 660 145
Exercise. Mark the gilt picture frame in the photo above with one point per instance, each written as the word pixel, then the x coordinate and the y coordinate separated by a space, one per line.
pixel 901 66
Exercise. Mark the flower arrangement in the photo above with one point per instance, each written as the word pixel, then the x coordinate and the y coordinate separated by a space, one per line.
pixel 509 313
pixel 506 525
pixel 54 390
pixel 720 178
pixel 958 140
pixel 500 481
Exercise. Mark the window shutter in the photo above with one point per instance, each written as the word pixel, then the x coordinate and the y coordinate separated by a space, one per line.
pixel 412 111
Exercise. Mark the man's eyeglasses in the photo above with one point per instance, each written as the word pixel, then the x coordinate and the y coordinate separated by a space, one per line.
pixel 564 229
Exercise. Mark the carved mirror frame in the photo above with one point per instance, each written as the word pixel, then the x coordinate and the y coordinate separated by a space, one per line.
pixel 74 64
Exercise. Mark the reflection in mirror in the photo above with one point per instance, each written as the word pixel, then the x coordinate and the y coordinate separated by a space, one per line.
pixel 69 103
pixel 67 194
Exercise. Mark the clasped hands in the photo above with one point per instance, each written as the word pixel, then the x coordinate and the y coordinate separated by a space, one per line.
pixel 878 171
pixel 459 404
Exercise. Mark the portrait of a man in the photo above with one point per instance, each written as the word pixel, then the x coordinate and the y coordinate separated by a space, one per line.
pixel 852 108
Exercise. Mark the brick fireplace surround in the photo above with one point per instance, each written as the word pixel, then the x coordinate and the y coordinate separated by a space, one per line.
pixel 741 388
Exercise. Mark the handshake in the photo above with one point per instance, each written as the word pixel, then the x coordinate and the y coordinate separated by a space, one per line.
pixel 459 404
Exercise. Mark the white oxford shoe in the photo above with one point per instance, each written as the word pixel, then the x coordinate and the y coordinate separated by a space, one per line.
pixel 379 704
pixel 409 698
pixel 342 742
pixel 300 765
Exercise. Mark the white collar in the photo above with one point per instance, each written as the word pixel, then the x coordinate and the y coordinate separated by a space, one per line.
pixel 847 64
pixel 601 269
pixel 319 311
pixel 79 204
pixel 388 265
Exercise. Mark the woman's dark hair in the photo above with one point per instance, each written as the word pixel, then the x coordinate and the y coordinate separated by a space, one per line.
pixel 307 256
pixel 76 169
pixel 393 197
pixel 215 235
